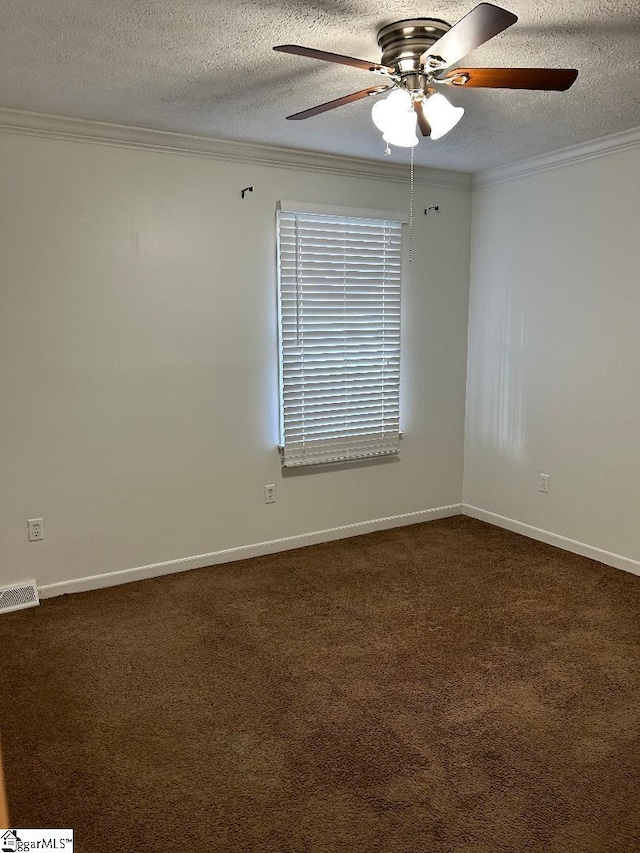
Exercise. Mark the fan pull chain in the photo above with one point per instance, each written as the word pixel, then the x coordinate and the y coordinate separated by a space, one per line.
pixel 411 209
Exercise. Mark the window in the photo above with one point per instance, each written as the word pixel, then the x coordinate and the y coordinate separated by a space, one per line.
pixel 339 319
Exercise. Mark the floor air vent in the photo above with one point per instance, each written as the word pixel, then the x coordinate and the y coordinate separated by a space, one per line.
pixel 18 596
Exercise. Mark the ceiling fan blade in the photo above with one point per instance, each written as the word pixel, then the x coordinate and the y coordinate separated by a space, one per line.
pixel 548 79
pixel 311 52
pixel 423 124
pixel 339 102
pixel 478 26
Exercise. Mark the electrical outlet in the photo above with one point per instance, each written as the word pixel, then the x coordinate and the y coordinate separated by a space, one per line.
pixel 35 527
pixel 270 494
pixel 543 483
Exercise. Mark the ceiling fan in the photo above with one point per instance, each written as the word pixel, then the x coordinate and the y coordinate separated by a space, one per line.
pixel 416 57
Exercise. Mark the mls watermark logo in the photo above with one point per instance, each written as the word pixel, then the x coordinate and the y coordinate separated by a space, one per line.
pixel 22 840
pixel 9 840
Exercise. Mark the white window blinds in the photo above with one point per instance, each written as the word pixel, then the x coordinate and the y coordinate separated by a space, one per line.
pixel 339 312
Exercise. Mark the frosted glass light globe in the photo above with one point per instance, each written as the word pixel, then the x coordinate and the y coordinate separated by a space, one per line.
pixel 395 117
pixel 441 115
pixel 387 111
pixel 404 134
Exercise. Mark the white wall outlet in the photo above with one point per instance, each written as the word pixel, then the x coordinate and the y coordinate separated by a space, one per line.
pixel 543 483
pixel 270 493
pixel 35 527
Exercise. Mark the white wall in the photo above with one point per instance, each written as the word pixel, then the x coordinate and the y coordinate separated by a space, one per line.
pixel 554 352
pixel 138 367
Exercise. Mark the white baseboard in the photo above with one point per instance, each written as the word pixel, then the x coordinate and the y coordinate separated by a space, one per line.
pixel 258 549
pixel 243 552
pixel 607 557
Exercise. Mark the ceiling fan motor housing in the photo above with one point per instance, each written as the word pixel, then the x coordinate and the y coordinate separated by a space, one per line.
pixel 403 42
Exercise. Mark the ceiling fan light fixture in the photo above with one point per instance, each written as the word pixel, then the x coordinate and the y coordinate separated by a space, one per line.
pixel 441 115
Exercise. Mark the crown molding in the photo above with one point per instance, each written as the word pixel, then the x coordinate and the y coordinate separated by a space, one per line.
pixel 125 136
pixel 604 145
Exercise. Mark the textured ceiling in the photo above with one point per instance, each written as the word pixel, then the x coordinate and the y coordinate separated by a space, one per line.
pixel 209 69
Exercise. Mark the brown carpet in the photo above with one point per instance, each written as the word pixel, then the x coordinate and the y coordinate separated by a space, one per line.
pixel 443 687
